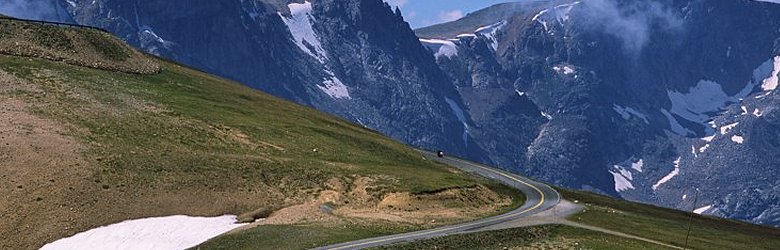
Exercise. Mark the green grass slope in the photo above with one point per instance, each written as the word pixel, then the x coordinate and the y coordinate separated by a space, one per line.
pixel 84 147
pixel 671 226
pixel 536 237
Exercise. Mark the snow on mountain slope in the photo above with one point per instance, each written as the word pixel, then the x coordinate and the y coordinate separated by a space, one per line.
pixel 623 178
pixel 770 83
pixel 333 86
pixel 458 111
pixel 638 165
pixel 449 47
pixel 628 112
pixel 702 210
pixel 671 175
pixel 557 15
pixel 490 33
pixel 441 47
pixel 702 100
pixel 300 25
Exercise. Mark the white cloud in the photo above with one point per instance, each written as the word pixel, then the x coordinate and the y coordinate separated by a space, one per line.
pixel 411 15
pixel 452 15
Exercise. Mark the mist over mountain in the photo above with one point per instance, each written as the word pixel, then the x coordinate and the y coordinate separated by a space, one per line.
pixel 645 100
pixel 48 10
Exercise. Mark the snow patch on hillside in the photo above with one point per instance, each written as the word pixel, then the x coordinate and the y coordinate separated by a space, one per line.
pixel 566 70
pixel 461 117
pixel 173 232
pixel 300 25
pixel 558 14
pixel 548 116
pixel 623 178
pixel 638 165
pixel 758 113
pixel 333 87
pixel 702 100
pixel 441 47
pixel 725 129
pixel 449 47
pixel 702 210
pixel 738 139
pixel 704 148
pixel 627 112
pixel 769 1
pixel 490 32
pixel 147 31
pixel 770 83
pixel 671 175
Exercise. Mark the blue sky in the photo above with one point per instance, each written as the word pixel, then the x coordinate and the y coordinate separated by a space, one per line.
pixel 421 13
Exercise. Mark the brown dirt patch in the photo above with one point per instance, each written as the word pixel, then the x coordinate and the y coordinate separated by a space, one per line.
pixel 445 205
pixel 341 202
pixel 35 155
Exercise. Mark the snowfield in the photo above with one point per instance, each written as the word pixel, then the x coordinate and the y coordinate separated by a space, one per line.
pixel 490 32
pixel 441 47
pixel 622 178
pixel 163 233
pixel 702 210
pixel 671 175
pixel 300 26
pixel 638 165
pixel 551 16
pixel 627 112
pixel 738 139
pixel 461 115
pixel 770 83
pixel 695 105
pixel 300 23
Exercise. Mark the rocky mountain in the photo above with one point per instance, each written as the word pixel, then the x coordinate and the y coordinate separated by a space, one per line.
pixel 645 100
pixel 652 101
pixel 356 59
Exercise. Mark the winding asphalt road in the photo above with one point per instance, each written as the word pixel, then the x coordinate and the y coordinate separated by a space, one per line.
pixel 539 197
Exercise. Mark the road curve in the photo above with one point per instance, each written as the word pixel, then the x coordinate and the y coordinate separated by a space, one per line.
pixel 539 197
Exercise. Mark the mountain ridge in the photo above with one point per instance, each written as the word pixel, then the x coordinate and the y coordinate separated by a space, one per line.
pixel 572 94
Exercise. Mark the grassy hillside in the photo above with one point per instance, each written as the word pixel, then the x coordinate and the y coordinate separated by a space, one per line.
pixel 536 237
pixel 670 226
pixel 84 147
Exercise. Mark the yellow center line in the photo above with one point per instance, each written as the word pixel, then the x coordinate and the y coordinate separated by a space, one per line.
pixel 541 202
